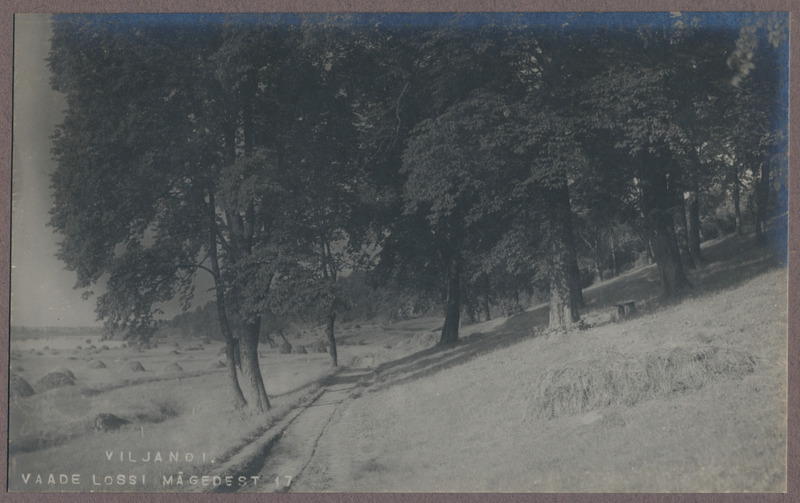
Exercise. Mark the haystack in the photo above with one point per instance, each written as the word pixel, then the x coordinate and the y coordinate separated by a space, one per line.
pixel 109 422
pixel 134 366
pixel 67 372
pixel 628 380
pixel 97 364
pixel 53 380
pixel 18 387
pixel 172 367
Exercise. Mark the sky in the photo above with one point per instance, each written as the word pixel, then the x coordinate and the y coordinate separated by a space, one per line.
pixel 41 290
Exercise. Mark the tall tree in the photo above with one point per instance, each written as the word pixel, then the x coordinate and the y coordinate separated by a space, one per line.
pixel 154 201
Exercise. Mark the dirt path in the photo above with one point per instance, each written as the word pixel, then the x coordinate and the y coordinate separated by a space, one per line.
pixel 288 457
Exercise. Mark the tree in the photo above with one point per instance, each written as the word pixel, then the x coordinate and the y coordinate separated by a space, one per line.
pixel 454 181
pixel 154 176
pixel 633 101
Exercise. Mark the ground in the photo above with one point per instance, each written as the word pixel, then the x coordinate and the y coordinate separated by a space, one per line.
pixel 687 396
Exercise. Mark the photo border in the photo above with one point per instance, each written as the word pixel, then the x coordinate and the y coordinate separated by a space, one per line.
pixel 10 7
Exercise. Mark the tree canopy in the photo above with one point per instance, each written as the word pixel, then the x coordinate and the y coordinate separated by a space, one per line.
pixel 464 158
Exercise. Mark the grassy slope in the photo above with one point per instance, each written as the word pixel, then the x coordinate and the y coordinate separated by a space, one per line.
pixel 471 423
pixel 464 418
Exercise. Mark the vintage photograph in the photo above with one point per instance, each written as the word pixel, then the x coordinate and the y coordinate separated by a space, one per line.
pixel 399 252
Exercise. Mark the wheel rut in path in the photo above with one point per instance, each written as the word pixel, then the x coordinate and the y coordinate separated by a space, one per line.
pixel 292 452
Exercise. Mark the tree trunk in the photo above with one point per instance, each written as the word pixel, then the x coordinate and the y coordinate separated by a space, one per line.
pixel 736 197
pixel 614 266
pixel 331 339
pixel 667 255
pixel 484 298
pixel 762 201
pixel 251 371
pixel 576 289
pixel 563 308
pixel 659 193
pixel 694 225
pixel 222 317
pixel 453 304
pixel 487 311
pixel 469 312
pixel 598 255
pixel 681 226
pixel 562 263
pixel 236 391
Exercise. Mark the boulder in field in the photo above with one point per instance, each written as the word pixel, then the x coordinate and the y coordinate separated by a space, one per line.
pixel 109 422
pixel 19 387
pixel 134 367
pixel 285 348
pixel 53 380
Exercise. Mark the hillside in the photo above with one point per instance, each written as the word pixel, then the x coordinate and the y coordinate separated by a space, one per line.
pixel 688 396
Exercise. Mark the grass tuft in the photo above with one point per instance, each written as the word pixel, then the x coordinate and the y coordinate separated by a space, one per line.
pixel 629 380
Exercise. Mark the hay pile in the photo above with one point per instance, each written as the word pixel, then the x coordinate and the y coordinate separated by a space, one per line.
pixel 628 380
pixel 18 387
pixel 109 422
pixel 53 380
pixel 134 367
pixel 67 372
pixel 97 364
pixel 423 340
pixel 172 367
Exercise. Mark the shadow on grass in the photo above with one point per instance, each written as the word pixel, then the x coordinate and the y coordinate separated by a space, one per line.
pixel 729 263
